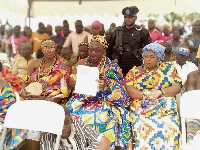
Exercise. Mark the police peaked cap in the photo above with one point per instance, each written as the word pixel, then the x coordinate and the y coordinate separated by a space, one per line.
pixel 130 11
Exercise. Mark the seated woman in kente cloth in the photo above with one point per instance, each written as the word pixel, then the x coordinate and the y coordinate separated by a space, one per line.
pixel 153 110
pixel 106 111
pixel 51 72
pixel 7 98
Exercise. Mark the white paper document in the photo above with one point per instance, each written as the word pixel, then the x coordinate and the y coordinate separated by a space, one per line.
pixel 86 80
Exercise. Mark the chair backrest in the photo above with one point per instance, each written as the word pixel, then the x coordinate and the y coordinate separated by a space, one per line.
pixel 189 108
pixel 36 115
pixel 190 104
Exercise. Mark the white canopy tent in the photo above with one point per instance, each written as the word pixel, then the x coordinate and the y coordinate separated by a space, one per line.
pixel 106 11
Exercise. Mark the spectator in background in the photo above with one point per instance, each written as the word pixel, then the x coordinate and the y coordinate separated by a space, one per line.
pixel 38 36
pixel 58 39
pixel 155 35
pixel 49 30
pixel 28 34
pixel 168 52
pixel 14 41
pixel 76 37
pixel 22 62
pixel 167 33
pixel 183 68
pixel 95 30
pixel 2 33
pixel 58 49
pixel 193 41
pixel 82 52
pixel 4 42
pixel 176 41
pixel 65 30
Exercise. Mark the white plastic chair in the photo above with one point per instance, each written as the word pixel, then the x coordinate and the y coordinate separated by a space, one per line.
pixel 36 115
pixel 189 108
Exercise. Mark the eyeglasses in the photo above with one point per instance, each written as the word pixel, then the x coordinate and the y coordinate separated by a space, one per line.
pixel 49 48
pixel 96 50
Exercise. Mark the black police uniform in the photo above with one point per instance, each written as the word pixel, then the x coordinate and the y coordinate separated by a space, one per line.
pixel 133 40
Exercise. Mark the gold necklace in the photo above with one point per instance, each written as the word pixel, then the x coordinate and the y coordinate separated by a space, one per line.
pixel 46 71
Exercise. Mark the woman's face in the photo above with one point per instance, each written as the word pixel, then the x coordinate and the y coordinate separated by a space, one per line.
pixel 96 30
pixel 150 60
pixel 96 52
pixel 48 49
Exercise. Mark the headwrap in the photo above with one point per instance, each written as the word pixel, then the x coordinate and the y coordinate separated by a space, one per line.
pixel 183 51
pixel 46 40
pixel 83 44
pixel 96 23
pixel 158 49
pixel 100 39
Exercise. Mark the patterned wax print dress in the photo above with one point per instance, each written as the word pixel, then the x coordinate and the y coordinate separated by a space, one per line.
pixel 155 125
pixel 14 136
pixel 106 111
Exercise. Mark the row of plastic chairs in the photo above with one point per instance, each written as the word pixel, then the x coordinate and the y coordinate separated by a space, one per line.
pixel 35 115
pixel 49 117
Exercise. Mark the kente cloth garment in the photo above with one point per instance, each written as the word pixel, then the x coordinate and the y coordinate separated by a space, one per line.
pixel 14 136
pixel 192 127
pixel 52 81
pixel 7 98
pixel 14 80
pixel 106 111
pixel 82 137
pixel 155 125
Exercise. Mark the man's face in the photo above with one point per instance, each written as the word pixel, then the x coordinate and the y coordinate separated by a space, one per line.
pixel 96 52
pixel 83 52
pixel 79 27
pixel 28 32
pixel 66 127
pixel 24 52
pixel 151 24
pixel 176 35
pixel 181 59
pixel 129 20
pixel 58 30
pixel 16 31
pixel 196 26
pixel 41 28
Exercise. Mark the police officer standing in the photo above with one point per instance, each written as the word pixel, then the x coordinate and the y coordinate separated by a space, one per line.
pixel 127 41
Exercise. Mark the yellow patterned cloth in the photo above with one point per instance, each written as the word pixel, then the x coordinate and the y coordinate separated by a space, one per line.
pixel 155 125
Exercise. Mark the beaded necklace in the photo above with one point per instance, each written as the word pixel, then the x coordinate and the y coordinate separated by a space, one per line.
pixel 149 73
pixel 46 71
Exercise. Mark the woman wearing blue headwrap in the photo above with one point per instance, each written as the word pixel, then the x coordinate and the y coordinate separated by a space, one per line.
pixel 153 110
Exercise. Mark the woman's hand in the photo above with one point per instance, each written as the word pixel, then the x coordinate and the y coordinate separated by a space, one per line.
pixel 102 84
pixel 25 94
pixel 34 97
pixel 155 94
